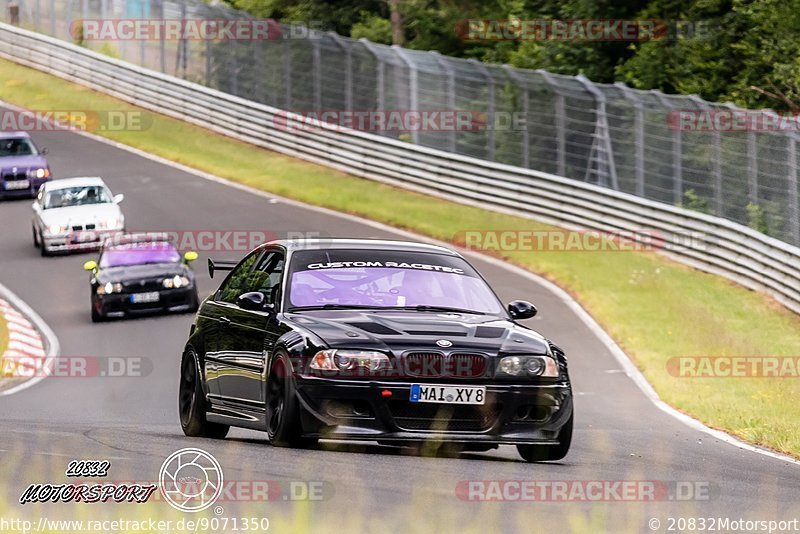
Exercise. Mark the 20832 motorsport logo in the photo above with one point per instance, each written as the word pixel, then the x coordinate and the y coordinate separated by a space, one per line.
pixel 191 480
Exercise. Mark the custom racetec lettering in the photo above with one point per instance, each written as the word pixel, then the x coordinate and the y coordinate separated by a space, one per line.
pixel 388 264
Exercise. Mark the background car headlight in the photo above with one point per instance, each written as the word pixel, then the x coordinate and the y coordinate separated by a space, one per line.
pixel 109 224
pixel 349 360
pixel 39 173
pixel 57 229
pixel 176 282
pixel 108 288
pixel 521 366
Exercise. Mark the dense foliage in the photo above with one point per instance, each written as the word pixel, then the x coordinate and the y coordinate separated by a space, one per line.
pixel 743 51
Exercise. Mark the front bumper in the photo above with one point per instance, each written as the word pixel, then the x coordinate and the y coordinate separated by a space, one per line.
pixel 359 410
pixel 76 242
pixel 117 305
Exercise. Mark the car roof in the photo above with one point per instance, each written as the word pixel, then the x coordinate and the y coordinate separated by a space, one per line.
pixel 356 244
pixel 84 181
pixel 14 135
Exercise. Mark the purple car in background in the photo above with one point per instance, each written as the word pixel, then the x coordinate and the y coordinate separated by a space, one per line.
pixel 23 168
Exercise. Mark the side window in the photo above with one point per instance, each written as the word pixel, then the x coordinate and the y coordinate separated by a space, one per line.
pixel 237 281
pixel 267 276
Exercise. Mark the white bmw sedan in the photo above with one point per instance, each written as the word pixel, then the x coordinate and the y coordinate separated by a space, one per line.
pixel 75 214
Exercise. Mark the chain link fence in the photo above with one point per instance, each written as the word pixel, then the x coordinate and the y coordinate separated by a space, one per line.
pixel 606 134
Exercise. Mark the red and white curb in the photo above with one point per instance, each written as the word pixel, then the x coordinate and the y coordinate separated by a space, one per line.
pixel 32 347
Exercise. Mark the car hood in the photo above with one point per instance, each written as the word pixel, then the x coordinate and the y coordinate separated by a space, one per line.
pixel 22 162
pixel 74 215
pixel 399 331
pixel 135 273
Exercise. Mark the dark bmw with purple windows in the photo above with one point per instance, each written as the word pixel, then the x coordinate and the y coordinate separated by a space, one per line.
pixel 385 341
pixel 23 168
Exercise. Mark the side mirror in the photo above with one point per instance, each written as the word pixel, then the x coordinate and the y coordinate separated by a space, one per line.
pixel 119 198
pixel 521 309
pixel 254 301
pixel 190 256
pixel 90 265
pixel 36 207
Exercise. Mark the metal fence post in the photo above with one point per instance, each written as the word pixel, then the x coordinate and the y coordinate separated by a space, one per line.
pixel 379 73
pixel 451 94
pixel 560 117
pixel 287 70
pixel 348 69
pixel 752 168
pixel 490 108
pixel 602 139
pixel 677 154
pixel 638 138
pixel 526 135
pixel 316 73
pixel 794 201
pixel 716 163
pixel 413 89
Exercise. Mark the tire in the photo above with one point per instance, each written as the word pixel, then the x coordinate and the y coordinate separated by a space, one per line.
pixel 35 238
pixel 192 403
pixel 549 453
pixel 195 304
pixel 43 247
pixel 283 408
pixel 96 317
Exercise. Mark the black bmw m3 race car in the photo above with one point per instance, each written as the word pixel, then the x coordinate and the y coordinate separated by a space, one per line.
pixel 371 340
pixel 141 274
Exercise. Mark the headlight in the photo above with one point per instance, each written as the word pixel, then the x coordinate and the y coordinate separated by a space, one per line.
pixel 109 224
pixel 57 229
pixel 39 173
pixel 176 282
pixel 109 288
pixel 520 366
pixel 350 360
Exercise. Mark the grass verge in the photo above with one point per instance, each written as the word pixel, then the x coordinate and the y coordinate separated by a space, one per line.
pixel 654 308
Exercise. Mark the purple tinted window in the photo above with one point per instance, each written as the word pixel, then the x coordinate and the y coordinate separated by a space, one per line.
pixel 391 287
pixel 139 253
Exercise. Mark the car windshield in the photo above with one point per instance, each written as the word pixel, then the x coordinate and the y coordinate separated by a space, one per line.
pixel 380 279
pixel 17 146
pixel 139 254
pixel 76 196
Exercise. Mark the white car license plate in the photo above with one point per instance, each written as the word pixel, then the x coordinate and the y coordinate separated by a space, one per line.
pixel 18 184
pixel 141 298
pixel 448 394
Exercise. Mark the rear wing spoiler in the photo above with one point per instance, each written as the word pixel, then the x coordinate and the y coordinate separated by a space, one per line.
pixel 220 265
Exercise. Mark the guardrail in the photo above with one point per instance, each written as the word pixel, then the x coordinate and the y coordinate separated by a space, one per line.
pixel 705 242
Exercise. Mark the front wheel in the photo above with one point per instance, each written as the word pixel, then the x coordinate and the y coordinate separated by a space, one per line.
pixel 192 403
pixel 283 409
pixel 549 453
pixel 35 238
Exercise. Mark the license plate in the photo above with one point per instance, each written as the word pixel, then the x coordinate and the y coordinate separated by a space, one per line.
pixel 84 237
pixel 448 394
pixel 141 298
pixel 18 184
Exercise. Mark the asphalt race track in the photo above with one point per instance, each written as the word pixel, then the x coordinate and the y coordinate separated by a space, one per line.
pixel 619 434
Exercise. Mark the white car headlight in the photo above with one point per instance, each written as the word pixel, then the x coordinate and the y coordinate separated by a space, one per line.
pixel 176 282
pixel 544 366
pixel 57 229
pixel 39 173
pixel 350 360
pixel 109 288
